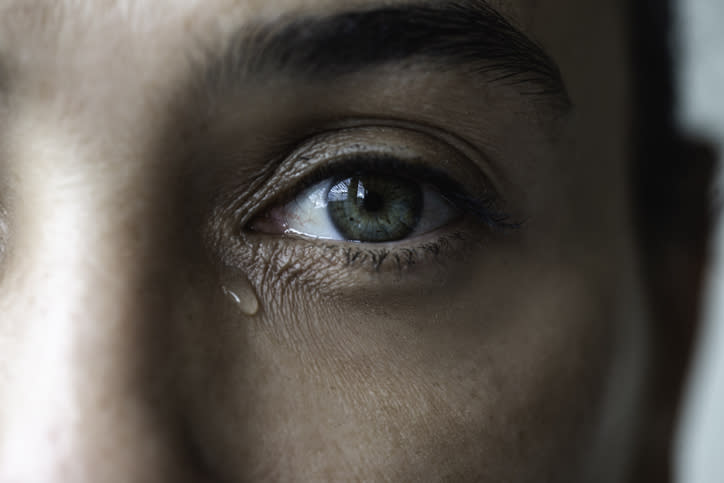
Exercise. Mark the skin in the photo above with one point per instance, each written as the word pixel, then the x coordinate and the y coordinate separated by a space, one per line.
pixel 513 355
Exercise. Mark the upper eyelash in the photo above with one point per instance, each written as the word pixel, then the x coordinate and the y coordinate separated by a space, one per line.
pixel 484 208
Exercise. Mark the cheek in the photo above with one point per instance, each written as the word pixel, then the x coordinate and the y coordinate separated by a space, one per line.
pixel 462 378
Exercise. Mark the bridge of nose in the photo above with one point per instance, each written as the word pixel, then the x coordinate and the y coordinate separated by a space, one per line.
pixel 84 298
pixel 103 266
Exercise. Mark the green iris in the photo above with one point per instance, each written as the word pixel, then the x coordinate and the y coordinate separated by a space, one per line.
pixel 375 208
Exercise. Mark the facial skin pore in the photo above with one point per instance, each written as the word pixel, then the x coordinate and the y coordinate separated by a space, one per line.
pixel 129 187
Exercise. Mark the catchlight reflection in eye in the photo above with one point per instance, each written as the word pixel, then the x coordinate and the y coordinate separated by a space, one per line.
pixel 369 207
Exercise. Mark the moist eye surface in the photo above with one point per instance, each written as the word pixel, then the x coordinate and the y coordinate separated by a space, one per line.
pixel 375 208
pixel 369 185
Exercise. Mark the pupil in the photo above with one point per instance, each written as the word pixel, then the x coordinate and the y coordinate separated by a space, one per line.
pixel 372 201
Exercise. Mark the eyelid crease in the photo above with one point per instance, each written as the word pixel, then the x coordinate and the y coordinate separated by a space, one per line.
pixel 464 147
pixel 354 140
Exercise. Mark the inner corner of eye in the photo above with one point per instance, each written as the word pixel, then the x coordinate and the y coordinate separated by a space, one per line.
pixel 271 221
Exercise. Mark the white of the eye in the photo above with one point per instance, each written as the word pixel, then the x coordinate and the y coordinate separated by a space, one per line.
pixel 436 212
pixel 307 214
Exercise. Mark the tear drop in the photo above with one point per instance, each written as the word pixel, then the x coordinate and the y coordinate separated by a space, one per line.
pixel 242 294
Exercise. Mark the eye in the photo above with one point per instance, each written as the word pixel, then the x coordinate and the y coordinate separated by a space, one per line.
pixel 405 193
pixel 366 206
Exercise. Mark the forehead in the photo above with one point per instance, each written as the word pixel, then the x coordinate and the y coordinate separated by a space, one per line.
pixel 71 21
pixel 71 49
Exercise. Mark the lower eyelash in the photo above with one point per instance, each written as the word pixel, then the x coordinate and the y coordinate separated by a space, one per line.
pixel 332 269
pixel 400 258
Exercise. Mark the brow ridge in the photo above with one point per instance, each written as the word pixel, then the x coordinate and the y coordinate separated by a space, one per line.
pixel 451 34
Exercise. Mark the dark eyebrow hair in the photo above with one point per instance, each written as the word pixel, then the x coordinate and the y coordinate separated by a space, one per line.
pixel 451 33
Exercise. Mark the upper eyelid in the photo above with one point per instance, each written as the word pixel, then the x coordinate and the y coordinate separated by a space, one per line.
pixel 484 160
pixel 380 163
pixel 487 207
pixel 314 151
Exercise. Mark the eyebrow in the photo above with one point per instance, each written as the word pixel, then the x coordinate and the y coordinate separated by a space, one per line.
pixel 452 34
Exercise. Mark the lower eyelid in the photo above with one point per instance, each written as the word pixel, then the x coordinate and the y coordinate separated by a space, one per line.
pixel 337 261
pixel 319 268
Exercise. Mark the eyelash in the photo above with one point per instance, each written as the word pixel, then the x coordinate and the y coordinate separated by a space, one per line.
pixel 403 258
pixel 482 208
pixel 400 254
